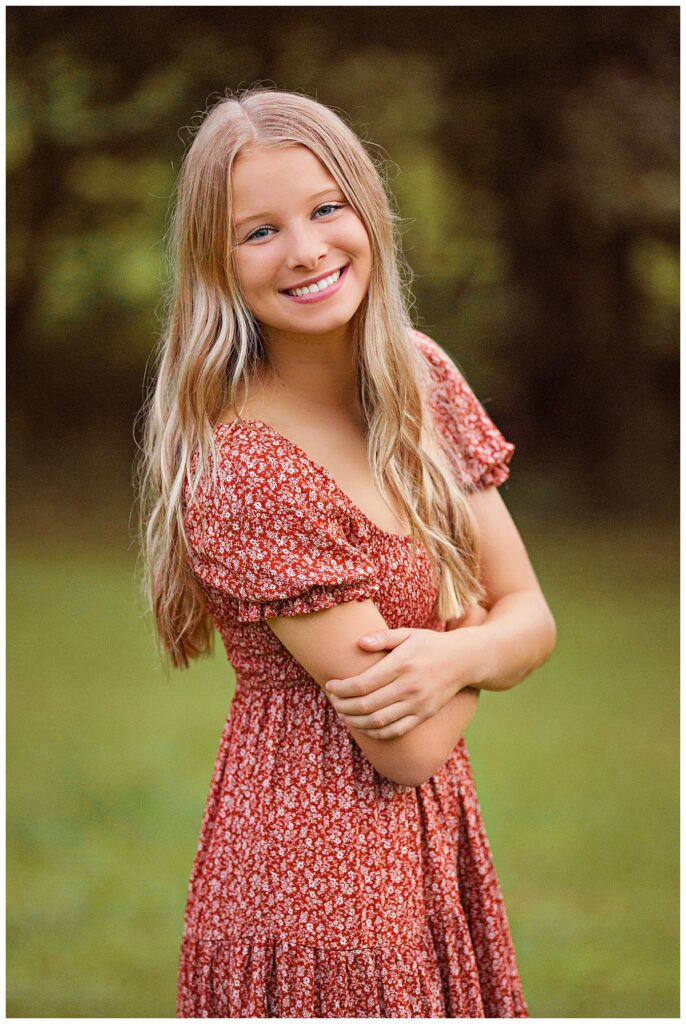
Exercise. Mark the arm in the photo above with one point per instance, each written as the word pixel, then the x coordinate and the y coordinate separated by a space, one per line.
pixel 519 634
pixel 425 669
pixel 324 643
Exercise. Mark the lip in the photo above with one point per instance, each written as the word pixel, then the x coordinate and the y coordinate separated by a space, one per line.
pixel 318 296
pixel 311 280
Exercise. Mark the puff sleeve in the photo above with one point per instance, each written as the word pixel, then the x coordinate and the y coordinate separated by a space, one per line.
pixel 271 539
pixel 477 448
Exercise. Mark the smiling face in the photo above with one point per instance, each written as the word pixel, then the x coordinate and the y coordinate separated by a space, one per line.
pixel 293 225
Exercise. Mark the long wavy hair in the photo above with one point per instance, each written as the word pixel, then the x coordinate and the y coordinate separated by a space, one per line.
pixel 211 347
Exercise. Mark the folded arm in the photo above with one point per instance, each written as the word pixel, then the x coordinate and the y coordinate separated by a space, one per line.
pixel 428 681
pixel 519 634
pixel 424 669
pixel 325 644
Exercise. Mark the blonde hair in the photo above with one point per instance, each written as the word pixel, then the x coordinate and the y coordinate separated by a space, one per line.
pixel 212 345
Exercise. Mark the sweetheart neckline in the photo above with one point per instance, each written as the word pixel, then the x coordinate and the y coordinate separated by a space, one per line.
pixel 322 469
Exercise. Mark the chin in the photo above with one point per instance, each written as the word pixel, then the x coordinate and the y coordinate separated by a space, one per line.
pixel 323 326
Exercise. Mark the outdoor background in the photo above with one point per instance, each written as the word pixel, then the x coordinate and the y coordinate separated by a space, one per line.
pixel 534 156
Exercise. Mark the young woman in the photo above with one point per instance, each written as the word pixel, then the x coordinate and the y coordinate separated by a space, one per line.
pixel 320 483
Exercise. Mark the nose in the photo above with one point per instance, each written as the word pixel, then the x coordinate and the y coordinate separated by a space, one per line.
pixel 305 247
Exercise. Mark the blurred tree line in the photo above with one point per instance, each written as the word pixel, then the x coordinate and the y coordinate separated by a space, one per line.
pixel 534 156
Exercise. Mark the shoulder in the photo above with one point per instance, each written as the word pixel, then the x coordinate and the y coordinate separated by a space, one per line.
pixel 481 451
pixel 441 365
pixel 446 381
pixel 251 461
pixel 261 481
pixel 271 532
pixel 430 350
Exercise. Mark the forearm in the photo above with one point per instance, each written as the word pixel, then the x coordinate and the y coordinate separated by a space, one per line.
pixel 518 636
pixel 439 735
pixel 413 758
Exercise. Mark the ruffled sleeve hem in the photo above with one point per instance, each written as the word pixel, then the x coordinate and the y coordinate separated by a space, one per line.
pixel 274 539
pixel 316 599
pixel 478 451
pixel 492 471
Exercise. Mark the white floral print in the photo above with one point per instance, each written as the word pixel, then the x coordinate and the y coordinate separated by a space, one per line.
pixel 319 887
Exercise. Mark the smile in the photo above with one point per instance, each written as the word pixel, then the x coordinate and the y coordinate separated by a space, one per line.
pixel 321 290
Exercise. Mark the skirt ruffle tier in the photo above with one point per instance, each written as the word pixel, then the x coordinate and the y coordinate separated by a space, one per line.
pixel 260 976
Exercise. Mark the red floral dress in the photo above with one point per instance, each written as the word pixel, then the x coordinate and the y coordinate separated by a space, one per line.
pixel 320 888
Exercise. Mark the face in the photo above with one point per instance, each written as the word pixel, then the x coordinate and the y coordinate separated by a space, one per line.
pixel 293 226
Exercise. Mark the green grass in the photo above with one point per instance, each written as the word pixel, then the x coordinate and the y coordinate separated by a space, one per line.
pixel 109 765
pixel 577 772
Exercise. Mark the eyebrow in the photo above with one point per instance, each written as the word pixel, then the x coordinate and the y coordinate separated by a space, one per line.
pixel 259 216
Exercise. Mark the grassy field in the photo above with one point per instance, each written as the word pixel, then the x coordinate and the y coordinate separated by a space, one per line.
pixel 109 765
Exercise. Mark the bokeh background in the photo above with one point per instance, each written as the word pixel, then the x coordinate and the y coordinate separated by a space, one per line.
pixel 533 152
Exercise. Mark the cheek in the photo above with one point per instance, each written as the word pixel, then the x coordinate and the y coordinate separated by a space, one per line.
pixel 362 244
pixel 365 254
pixel 253 270
pixel 359 234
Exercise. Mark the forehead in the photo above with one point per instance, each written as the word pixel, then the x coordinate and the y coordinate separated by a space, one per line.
pixel 264 174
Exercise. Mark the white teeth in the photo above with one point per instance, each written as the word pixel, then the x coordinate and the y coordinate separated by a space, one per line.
pixel 318 287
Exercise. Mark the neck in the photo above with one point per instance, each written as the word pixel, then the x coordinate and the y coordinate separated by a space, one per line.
pixel 317 370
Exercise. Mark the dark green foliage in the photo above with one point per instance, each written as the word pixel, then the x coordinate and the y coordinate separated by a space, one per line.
pixel 534 154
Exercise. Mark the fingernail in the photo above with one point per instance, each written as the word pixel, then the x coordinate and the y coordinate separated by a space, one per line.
pixel 369 639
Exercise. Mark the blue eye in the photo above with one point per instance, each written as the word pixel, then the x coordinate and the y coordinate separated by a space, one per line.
pixel 256 234
pixel 327 207
pixel 331 206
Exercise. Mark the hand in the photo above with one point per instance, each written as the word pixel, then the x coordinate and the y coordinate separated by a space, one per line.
pixel 424 671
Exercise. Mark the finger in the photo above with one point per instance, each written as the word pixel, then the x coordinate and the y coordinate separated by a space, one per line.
pixel 399 728
pixel 358 686
pixel 385 639
pixel 368 704
pixel 380 719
